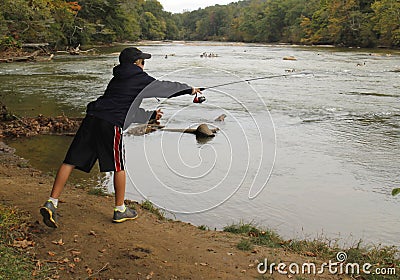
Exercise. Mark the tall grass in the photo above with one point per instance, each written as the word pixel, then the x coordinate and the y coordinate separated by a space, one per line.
pixel 380 257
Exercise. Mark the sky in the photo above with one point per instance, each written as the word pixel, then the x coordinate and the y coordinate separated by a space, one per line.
pixel 178 6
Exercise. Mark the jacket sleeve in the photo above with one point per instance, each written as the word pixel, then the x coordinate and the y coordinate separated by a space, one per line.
pixel 140 116
pixel 165 89
pixel 136 114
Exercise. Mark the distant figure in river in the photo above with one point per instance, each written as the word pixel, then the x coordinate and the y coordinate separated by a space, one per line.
pixel 204 54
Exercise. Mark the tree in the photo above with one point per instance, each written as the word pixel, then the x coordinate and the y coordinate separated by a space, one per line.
pixel 387 21
pixel 37 21
pixel 152 28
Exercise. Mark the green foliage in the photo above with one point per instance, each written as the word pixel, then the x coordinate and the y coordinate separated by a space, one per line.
pixel 149 206
pixel 396 191
pixel 322 248
pixel 363 23
pixel 387 21
pixel 8 42
pixel 203 227
pixel 14 265
pixel 245 245
pixel 152 28
pixel 241 228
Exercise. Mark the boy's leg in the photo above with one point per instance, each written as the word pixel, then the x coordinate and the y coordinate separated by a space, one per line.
pixel 48 210
pixel 121 212
pixel 61 179
pixel 119 187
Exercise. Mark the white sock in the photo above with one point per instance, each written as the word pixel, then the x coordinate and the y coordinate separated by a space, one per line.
pixel 55 201
pixel 120 208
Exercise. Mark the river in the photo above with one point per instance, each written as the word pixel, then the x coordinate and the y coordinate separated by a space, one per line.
pixel 311 150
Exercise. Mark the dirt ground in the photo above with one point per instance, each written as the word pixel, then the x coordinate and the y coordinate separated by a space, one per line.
pixel 87 245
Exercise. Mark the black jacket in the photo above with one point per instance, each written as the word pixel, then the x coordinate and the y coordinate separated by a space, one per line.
pixel 130 83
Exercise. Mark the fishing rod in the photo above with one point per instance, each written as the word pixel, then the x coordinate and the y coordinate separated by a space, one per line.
pixel 201 99
pixel 252 79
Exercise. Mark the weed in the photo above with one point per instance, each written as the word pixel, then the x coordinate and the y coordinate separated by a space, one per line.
pixel 99 191
pixel 380 257
pixel 314 247
pixel 245 245
pixel 203 227
pixel 15 264
pixel 242 228
pixel 149 206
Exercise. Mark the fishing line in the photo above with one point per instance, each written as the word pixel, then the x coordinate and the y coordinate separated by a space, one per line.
pixel 253 79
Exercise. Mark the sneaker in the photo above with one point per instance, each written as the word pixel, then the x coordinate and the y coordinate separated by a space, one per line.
pixel 48 211
pixel 128 214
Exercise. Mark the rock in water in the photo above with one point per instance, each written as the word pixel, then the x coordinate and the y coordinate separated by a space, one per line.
pixel 203 131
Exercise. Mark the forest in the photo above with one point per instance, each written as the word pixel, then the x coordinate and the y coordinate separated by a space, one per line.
pixel 347 23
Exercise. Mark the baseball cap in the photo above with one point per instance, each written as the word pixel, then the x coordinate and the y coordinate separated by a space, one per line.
pixel 131 54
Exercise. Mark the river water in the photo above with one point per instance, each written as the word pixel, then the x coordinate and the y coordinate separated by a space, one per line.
pixel 311 150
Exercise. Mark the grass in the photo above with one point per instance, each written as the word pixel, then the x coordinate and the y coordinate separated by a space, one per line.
pixel 257 236
pixel 203 227
pixel 316 247
pixel 149 206
pixel 245 245
pixel 386 257
pixel 15 263
pixel 98 191
pixel 241 228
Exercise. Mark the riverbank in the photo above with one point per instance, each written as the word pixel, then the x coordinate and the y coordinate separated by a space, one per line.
pixel 88 246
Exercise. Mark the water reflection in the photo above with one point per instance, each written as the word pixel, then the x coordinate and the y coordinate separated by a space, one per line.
pixel 47 152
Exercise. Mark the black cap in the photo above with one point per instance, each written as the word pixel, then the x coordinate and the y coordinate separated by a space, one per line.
pixel 130 55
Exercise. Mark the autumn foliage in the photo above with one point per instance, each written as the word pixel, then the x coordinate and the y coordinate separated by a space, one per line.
pixel 361 23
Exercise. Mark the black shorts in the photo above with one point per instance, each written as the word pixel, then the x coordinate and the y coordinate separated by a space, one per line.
pixel 97 139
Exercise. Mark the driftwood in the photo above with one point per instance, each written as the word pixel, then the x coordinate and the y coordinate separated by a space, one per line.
pixel 201 131
pixel 142 129
pixel 76 51
pixel 30 57
pixel 221 118
pixel 35 45
pixel 14 126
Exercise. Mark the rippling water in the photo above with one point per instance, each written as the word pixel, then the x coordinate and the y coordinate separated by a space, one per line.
pixel 318 148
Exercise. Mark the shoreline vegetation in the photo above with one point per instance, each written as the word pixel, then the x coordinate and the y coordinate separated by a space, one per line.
pixel 66 25
pixel 87 249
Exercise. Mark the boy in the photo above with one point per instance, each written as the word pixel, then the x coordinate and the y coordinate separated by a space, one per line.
pixel 100 135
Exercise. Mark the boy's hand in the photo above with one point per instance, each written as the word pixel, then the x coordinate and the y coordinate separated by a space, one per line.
pixel 159 114
pixel 195 90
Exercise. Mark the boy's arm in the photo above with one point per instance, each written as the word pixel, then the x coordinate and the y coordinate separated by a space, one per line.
pixel 139 116
pixel 165 89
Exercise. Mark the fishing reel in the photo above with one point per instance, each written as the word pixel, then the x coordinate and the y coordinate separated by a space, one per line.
pixel 199 99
